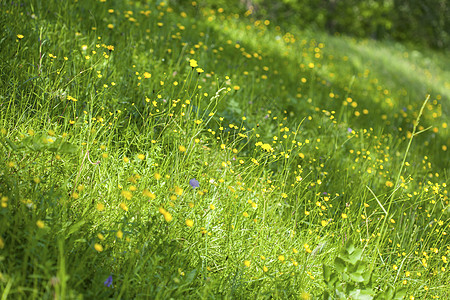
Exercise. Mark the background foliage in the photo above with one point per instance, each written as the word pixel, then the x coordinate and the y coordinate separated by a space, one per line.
pixel 420 22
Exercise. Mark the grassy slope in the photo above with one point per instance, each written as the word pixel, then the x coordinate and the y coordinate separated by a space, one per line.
pixel 262 69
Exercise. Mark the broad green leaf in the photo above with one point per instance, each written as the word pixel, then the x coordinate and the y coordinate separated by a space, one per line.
pixel 75 227
pixel 340 293
pixel 53 147
pixel 345 277
pixel 358 267
pixel 355 255
pixel 356 277
pixel 13 146
pixel 361 294
pixel 379 296
pixel 326 272
pixel 349 247
pixel 34 143
pixel 334 280
pixel 367 276
pixel 68 148
pixel 27 142
pixel 191 276
pixel 389 293
pixel 400 293
pixel 340 265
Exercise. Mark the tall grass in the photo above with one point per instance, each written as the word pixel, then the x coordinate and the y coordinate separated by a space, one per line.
pixel 151 151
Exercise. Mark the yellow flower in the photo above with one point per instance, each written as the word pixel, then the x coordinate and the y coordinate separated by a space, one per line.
pixel 98 247
pixel 178 190
pixel 265 269
pixel 71 98
pixel 147 75
pixel 166 214
pixel 193 63
pixel 267 147
pixel 189 223
pixel 247 263
pixel 281 258
pixel 149 194
pixel 141 156
pixel 127 194
pixel 20 36
pixel 182 148
pixel 305 296
pixel 124 206
pixel 119 234
pixel 168 217
pixel 199 70
pixel 344 216
pixel 100 206
pixel 40 224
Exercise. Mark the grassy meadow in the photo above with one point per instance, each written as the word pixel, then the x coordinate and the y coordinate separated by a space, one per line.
pixel 177 150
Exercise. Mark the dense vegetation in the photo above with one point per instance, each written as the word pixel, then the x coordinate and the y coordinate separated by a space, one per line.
pixel 194 150
pixel 419 22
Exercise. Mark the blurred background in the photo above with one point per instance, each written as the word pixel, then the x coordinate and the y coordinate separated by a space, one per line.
pixel 424 23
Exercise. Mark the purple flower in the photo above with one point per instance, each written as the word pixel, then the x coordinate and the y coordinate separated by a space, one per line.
pixel 108 282
pixel 194 183
pixel 349 129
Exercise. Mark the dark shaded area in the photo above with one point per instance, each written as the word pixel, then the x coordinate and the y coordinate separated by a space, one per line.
pixel 419 22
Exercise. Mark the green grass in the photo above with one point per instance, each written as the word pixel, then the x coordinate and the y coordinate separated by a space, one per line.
pixel 300 143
